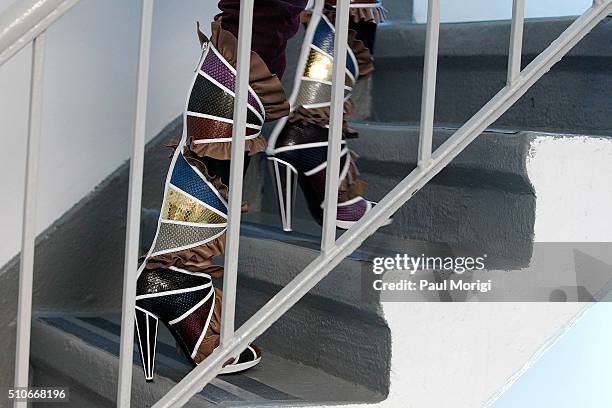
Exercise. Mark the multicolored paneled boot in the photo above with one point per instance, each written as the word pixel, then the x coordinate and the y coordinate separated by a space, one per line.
pixel 175 280
pixel 297 149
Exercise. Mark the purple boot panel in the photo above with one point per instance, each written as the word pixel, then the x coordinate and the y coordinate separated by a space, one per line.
pixel 352 212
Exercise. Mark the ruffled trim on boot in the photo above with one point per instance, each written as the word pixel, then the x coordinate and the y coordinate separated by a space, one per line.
pixel 193 159
pixel 197 259
pixel 371 11
pixel 320 117
pixel 365 61
pixel 223 151
pixel 266 85
pixel 351 186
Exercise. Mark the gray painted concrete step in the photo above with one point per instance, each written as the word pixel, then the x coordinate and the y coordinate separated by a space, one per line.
pixel 472 68
pixel 337 315
pixel 83 349
pixel 483 199
pixel 496 159
pixel 273 257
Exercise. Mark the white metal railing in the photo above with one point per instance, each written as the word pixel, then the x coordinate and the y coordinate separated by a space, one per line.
pixel 132 238
pixel 28 237
pixel 26 22
pixel 21 24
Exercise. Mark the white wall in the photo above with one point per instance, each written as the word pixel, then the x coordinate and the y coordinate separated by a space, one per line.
pixel 89 92
pixel 571 178
pixel 476 10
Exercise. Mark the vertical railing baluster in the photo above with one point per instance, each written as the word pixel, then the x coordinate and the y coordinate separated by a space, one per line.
pixel 430 70
pixel 328 238
pixel 28 232
pixel 516 41
pixel 230 277
pixel 132 235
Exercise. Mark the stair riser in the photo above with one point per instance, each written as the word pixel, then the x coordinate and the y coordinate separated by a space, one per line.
pixel 79 396
pixel 338 340
pixel 343 285
pixel 75 360
pixel 392 150
pixel 491 221
pixel 556 103
pixel 472 67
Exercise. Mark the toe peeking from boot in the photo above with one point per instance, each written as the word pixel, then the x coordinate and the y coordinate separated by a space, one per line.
pixel 250 357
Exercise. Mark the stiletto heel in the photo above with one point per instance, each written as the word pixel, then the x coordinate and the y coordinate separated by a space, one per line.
pixel 190 307
pixel 285 185
pixel 146 332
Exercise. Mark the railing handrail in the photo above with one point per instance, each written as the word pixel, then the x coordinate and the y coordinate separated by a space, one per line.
pixel 24 20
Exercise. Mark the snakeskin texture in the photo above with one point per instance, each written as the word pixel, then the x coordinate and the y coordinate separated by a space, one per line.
pixel 185 178
pixel 313 92
pixel 352 212
pixel 319 67
pixel 217 69
pixel 203 128
pixel 180 207
pixel 324 39
pixel 172 236
pixel 304 159
pixel 172 306
pixel 296 133
pixel 307 159
pixel 190 328
pixel 204 92
pixel 162 280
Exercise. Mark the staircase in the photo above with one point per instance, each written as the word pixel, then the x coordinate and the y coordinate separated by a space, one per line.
pixel 92 342
pixel 472 66
pixel 335 339
pixel 335 346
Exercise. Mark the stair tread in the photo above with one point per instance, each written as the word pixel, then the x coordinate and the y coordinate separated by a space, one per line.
pixel 491 36
pixel 275 380
pixel 307 234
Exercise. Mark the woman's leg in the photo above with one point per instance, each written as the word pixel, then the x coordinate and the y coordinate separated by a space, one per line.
pixel 298 146
pixel 174 280
pixel 274 23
